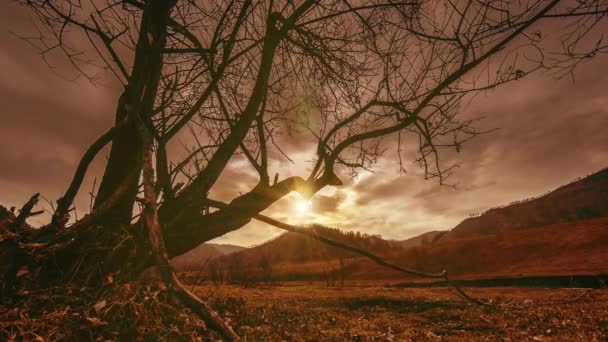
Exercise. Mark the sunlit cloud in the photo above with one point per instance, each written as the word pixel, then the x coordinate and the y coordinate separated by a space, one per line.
pixel 550 131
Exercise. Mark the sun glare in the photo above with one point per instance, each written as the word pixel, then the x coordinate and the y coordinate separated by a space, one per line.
pixel 302 206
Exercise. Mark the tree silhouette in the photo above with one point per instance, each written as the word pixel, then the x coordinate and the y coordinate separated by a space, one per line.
pixel 233 76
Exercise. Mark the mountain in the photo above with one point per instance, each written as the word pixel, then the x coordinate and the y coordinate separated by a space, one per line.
pixel 564 232
pixel 292 247
pixel 569 248
pixel 293 256
pixel 226 249
pixel 422 239
pixel 202 254
pixel 583 199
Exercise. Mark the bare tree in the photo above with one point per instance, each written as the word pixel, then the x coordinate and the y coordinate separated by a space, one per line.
pixel 231 77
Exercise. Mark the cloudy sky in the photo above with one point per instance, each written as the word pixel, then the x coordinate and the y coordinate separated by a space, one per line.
pixel 550 131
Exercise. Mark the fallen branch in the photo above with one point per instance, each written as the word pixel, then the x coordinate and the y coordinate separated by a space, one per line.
pixel 26 212
pixel 378 260
pixel 375 258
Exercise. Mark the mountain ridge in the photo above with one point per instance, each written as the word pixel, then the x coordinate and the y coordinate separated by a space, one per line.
pixel 199 256
pixel 585 198
pixel 560 232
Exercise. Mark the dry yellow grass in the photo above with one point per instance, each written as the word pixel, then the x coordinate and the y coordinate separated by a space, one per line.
pixel 369 311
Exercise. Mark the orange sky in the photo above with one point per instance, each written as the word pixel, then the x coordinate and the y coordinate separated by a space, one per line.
pixel 551 131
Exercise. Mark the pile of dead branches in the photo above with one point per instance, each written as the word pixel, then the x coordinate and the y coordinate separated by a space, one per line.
pixel 142 310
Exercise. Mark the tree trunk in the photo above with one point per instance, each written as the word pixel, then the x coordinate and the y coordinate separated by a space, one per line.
pixel 190 228
pixel 135 103
pixel 89 252
pixel 124 164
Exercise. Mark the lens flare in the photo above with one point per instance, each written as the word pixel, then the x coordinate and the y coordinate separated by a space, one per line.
pixel 303 207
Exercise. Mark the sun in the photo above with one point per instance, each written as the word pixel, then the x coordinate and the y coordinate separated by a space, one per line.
pixel 302 206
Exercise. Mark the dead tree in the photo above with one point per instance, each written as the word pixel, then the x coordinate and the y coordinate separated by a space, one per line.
pixel 232 76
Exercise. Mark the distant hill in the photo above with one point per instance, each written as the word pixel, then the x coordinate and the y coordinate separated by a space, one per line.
pixel 564 232
pixel 293 256
pixel 583 199
pixel 298 248
pixel 226 249
pixel 422 239
pixel 567 248
pixel 197 257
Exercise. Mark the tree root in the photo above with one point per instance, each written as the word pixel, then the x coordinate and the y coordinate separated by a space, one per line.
pixel 149 219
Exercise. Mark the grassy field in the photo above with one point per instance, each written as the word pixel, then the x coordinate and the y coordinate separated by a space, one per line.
pixel 377 312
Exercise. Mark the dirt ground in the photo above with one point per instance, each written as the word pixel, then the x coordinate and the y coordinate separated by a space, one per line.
pixel 378 312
